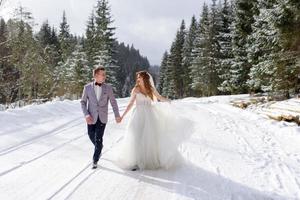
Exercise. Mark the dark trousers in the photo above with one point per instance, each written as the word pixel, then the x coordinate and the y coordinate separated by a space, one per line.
pixel 95 132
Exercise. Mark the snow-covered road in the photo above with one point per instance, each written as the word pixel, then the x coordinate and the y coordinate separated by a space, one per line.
pixel 233 154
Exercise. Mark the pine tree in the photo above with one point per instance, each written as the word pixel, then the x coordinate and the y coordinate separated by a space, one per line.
pixel 247 45
pixel 175 69
pixel 26 55
pixel 77 72
pixel 244 11
pixel 201 55
pixel 48 40
pixel 8 73
pixel 45 34
pixel 275 69
pixel 287 73
pixel 90 47
pixel 187 56
pixel 130 61
pixel 214 67
pixel 47 64
pixel 65 38
pixel 264 49
pixel 225 41
pixel 49 43
pixel 169 88
pixel 162 72
pixel 66 48
pixel 105 43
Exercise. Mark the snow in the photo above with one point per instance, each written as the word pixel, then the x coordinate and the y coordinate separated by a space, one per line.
pixel 234 154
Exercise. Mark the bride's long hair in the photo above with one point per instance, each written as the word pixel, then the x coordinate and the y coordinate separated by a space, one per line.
pixel 146 78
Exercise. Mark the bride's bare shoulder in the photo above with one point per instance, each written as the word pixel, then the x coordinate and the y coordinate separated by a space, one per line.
pixel 135 90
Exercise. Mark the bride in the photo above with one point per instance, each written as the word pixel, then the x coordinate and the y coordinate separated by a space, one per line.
pixel 154 131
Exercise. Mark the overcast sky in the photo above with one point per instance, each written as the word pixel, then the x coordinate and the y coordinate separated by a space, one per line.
pixel 150 25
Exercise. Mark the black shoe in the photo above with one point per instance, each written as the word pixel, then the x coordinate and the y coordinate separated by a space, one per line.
pixel 94 165
pixel 134 169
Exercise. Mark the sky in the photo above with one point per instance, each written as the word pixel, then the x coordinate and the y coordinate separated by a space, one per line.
pixel 150 25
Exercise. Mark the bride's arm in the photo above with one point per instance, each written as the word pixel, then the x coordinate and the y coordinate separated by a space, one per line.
pixel 131 102
pixel 159 97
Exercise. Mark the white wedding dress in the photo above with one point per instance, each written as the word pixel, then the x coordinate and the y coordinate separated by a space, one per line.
pixel 153 137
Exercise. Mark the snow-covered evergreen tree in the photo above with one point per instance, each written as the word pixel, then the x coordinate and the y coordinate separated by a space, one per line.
pixel 214 67
pixel 169 88
pixel 26 55
pixel 65 38
pixel 50 52
pixel 90 44
pixel 225 41
pixel 244 11
pixel 162 72
pixel 65 41
pixel 78 72
pixel 264 48
pixel 48 64
pixel 8 72
pixel 45 34
pixel 187 56
pixel 175 71
pixel 105 42
pixel 201 55
pixel 240 46
pixel 287 74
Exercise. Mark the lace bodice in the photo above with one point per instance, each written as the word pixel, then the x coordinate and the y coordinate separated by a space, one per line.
pixel 142 99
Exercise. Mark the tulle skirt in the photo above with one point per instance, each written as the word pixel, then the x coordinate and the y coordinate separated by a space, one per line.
pixel 153 138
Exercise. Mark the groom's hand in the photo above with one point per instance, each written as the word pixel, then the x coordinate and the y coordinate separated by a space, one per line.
pixel 89 119
pixel 118 119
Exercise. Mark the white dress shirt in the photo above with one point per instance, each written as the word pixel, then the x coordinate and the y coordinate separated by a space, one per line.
pixel 98 91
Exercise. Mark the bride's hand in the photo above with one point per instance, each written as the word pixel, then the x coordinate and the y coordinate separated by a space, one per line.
pixel 118 119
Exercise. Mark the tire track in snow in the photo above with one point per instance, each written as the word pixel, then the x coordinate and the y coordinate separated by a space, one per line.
pixel 40 156
pixel 58 130
pixel 55 131
pixel 83 175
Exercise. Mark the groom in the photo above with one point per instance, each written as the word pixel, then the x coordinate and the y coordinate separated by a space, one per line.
pixel 94 104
